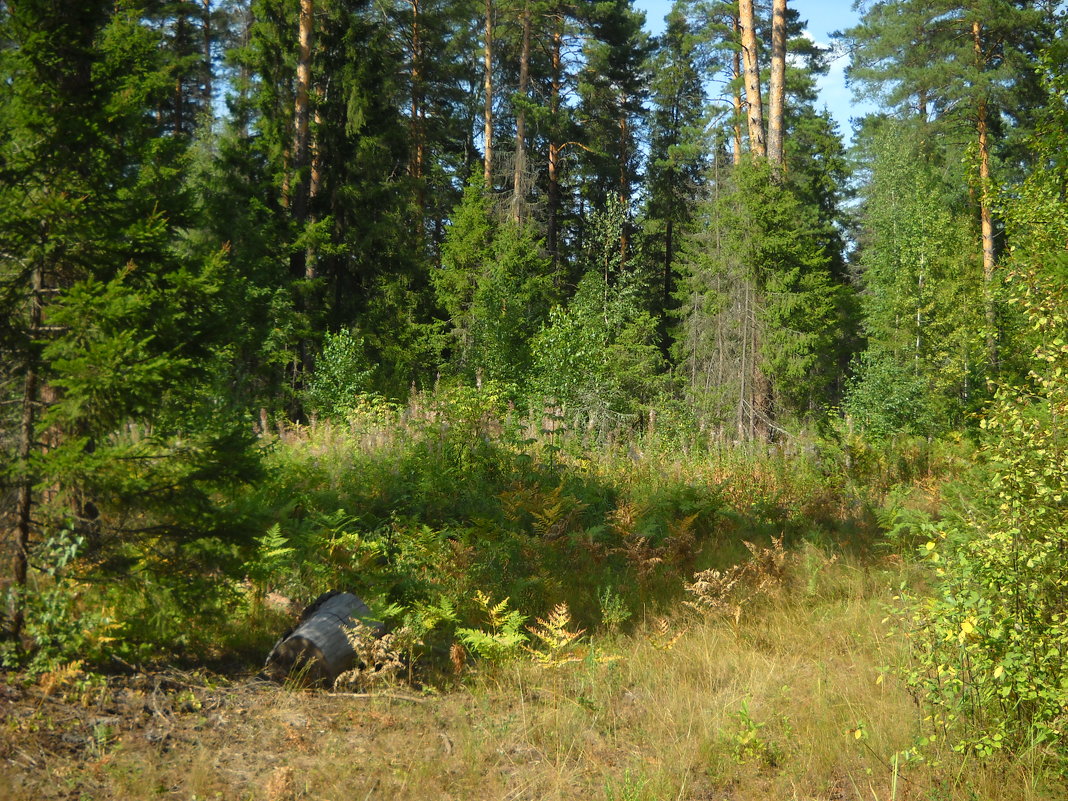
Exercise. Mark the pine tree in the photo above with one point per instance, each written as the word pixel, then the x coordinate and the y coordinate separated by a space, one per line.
pixel 611 91
pixel 751 70
pixel 970 65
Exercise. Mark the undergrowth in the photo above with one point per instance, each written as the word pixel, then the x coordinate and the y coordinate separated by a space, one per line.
pixel 419 508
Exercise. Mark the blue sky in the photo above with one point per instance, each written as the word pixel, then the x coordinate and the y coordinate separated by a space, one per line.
pixel 823 18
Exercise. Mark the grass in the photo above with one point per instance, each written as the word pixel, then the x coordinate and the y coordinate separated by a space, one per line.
pixel 788 689
pixel 790 701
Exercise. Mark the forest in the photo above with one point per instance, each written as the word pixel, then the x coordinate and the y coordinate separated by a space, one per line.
pixel 680 446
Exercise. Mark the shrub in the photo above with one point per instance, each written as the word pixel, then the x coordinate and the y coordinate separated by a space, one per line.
pixel 994 635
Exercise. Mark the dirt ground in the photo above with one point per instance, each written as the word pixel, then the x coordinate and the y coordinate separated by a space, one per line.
pixel 196 735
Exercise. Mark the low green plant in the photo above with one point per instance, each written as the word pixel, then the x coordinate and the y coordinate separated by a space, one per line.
pixel 273 559
pixel 631 787
pixel 503 639
pixel 65 619
pixel 614 609
pixel 747 742
pixel 906 524
pixel 555 644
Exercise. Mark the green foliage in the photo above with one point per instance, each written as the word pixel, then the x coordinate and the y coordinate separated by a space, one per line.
pixel 923 298
pixel 272 559
pixel 994 635
pixel 504 637
pixel 598 357
pixel 495 285
pixel 341 375
pixel 117 317
pixel 885 397
pixel 610 92
pixel 748 744
pixel 64 619
pixel 631 787
pixel 759 307
pixel 906 524
pixel 614 610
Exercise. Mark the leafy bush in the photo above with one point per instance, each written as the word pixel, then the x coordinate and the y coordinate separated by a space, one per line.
pixel 341 375
pixel 63 620
pixel 995 634
pixel 886 397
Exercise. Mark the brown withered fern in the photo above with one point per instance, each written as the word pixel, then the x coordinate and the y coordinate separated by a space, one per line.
pixel 726 592
pixel 378 659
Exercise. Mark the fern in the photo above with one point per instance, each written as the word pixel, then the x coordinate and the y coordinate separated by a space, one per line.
pixel 555 643
pixel 274 556
pixel 505 635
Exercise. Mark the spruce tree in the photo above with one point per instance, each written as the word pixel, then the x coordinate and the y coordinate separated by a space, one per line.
pixel 495 287
pixel 677 147
pixel 113 321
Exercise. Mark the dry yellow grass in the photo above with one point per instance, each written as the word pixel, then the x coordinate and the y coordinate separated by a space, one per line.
pixel 784 702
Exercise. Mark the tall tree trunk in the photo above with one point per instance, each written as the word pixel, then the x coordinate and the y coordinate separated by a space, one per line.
pixel 744 385
pixel 313 297
pixel 553 233
pixel 418 134
pixel 209 64
pixel 985 214
pixel 314 186
pixel 737 97
pixel 624 184
pixel 299 262
pixel 20 558
pixel 179 93
pixel 519 179
pixel 487 58
pixel 302 115
pixel 777 88
pixel 752 79
pixel 669 257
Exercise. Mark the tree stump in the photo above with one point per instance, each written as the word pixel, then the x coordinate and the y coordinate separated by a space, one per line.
pixel 318 650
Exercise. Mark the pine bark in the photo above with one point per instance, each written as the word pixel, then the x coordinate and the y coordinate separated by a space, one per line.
pixel 179 90
pixel 302 261
pixel 315 182
pixel 737 97
pixel 777 87
pixel 20 558
pixel 417 168
pixel 986 219
pixel 752 79
pixel 555 147
pixel 302 113
pixel 209 67
pixel 519 176
pixel 624 185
